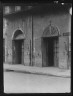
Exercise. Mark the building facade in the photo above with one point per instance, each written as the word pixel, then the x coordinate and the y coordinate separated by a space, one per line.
pixel 37 35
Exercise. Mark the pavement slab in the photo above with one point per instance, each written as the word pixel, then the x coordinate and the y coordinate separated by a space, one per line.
pixel 53 71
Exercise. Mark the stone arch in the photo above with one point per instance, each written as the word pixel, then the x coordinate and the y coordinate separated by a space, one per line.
pixel 18 34
pixel 51 30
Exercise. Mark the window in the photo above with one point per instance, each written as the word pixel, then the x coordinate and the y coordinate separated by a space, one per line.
pixel 17 8
pixel 7 9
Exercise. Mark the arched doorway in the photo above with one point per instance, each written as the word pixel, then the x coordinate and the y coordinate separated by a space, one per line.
pixel 18 47
pixel 50 46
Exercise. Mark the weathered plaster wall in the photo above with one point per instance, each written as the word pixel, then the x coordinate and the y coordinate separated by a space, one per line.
pixel 40 22
pixel 62 21
pixel 24 24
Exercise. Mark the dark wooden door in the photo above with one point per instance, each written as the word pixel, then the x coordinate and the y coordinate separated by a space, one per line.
pixel 50 55
pixel 17 51
pixel 13 52
pixel 56 51
pixel 43 52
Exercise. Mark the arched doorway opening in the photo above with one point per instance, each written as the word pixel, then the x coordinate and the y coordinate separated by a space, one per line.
pixel 18 47
pixel 50 46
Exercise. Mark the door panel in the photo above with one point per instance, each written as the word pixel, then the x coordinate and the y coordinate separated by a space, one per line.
pixel 13 52
pixel 56 51
pixel 50 52
pixel 17 51
pixel 43 52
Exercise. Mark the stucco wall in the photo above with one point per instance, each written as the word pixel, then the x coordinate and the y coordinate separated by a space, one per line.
pixel 62 21
pixel 40 22
pixel 13 24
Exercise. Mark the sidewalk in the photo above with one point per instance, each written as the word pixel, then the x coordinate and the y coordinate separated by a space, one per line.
pixel 51 71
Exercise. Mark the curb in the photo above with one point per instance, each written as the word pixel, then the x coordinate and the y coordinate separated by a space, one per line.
pixel 48 74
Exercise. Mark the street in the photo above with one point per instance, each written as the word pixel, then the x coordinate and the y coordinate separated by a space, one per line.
pixel 16 82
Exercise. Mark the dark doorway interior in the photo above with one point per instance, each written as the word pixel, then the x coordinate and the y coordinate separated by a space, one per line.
pixel 49 50
pixel 18 51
